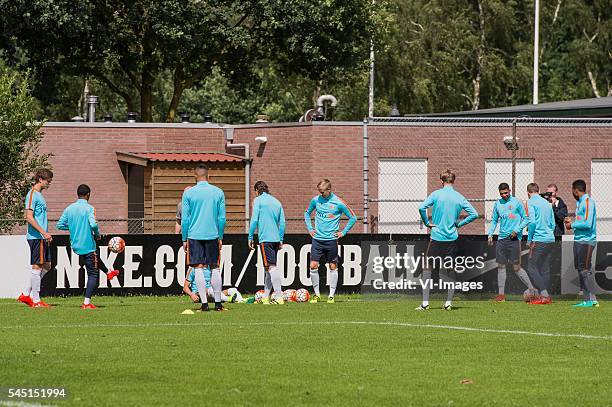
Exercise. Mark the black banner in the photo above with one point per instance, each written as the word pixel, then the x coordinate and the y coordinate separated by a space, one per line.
pixel 154 264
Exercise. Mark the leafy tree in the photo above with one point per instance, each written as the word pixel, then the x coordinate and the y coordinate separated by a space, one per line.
pixel 19 139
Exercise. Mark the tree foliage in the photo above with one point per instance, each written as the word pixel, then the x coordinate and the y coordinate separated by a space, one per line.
pixel 19 139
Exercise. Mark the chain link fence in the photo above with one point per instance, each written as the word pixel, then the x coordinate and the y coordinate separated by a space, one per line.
pixel 139 226
pixel 405 155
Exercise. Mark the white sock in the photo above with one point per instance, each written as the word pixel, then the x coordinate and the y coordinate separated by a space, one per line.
pixel 314 277
pixel 267 284
pixel 501 279
pixel 35 281
pixel 448 303
pixel 275 278
pixel 522 275
pixel 201 284
pixel 217 284
pixel 27 289
pixel 544 293
pixel 87 301
pixel 333 281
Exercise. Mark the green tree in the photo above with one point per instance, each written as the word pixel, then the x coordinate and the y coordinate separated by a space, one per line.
pixel 129 45
pixel 20 136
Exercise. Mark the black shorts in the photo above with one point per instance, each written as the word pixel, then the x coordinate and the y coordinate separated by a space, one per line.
pixel 442 249
pixel 508 251
pixel 40 251
pixel 540 257
pixel 583 254
pixel 269 250
pixel 324 249
pixel 202 252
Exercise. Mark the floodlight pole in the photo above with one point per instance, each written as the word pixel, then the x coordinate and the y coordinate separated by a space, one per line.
pixel 536 46
pixel 514 148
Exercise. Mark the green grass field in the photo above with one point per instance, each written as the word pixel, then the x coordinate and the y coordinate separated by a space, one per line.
pixel 142 351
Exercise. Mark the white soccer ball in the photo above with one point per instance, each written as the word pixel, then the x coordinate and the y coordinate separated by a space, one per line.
pixel 289 295
pixel 116 244
pixel 302 295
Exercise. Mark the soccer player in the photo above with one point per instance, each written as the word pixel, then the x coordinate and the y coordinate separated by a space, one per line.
pixel 202 228
pixel 190 288
pixel 510 214
pixel 446 204
pixel 80 219
pixel 38 238
pixel 585 240
pixel 268 219
pixel 328 209
pixel 541 241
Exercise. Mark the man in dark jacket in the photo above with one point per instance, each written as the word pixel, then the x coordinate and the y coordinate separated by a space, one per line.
pixel 559 208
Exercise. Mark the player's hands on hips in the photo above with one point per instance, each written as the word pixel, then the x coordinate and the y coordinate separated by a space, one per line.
pixel 312 233
pixel 431 226
pixel 339 234
pixel 490 240
pixel 251 245
pixel 47 237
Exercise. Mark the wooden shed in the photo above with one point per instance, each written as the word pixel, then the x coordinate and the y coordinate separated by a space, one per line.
pixel 156 182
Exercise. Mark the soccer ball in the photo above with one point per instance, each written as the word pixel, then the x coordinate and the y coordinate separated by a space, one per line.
pixel 259 295
pixel 289 295
pixel 116 245
pixel 302 295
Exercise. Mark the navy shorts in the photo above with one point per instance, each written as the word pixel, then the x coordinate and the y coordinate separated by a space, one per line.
pixel 91 262
pixel 583 254
pixel 442 249
pixel 508 251
pixel 269 250
pixel 324 249
pixel 540 257
pixel 202 252
pixel 40 251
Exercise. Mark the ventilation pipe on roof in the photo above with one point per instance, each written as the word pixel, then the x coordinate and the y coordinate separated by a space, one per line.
pixel 229 144
pixel 92 102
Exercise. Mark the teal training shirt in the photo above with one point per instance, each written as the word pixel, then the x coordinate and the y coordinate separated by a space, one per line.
pixel 268 219
pixel 584 226
pixel 541 220
pixel 327 216
pixel 447 206
pixel 203 212
pixel 191 278
pixel 511 217
pixel 36 203
pixel 80 219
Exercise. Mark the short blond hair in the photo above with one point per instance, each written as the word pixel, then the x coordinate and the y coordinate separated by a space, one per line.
pixel 324 183
pixel 448 176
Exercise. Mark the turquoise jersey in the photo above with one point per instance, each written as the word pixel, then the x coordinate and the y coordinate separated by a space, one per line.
pixel 268 218
pixel 203 212
pixel 584 225
pixel 447 206
pixel 327 217
pixel 36 203
pixel 191 278
pixel 511 217
pixel 80 219
pixel 541 220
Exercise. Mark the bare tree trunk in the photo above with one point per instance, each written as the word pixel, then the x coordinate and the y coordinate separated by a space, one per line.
pixel 593 84
pixel 554 20
pixel 177 92
pixel 479 59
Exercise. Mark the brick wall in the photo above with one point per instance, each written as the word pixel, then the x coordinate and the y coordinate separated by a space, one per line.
pixel 297 156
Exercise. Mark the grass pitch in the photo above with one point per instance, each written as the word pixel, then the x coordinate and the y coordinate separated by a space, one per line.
pixel 141 351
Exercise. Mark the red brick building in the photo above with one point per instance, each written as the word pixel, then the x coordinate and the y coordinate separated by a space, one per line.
pixel 297 155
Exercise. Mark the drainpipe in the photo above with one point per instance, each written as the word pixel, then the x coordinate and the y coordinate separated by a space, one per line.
pixel 229 138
